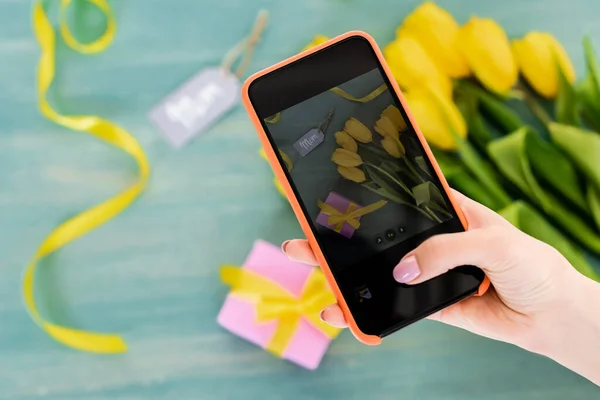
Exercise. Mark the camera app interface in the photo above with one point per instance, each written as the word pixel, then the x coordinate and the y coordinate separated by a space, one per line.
pixel 359 169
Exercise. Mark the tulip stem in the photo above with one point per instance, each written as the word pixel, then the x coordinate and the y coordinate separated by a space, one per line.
pixel 535 107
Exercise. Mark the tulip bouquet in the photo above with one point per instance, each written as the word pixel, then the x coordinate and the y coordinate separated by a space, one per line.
pixel 471 89
pixel 374 164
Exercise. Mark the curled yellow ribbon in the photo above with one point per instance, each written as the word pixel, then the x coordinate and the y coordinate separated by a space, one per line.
pixel 275 118
pixel 364 99
pixel 273 302
pixel 99 214
pixel 350 216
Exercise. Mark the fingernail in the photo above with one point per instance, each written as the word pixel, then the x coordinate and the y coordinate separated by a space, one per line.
pixel 284 245
pixel 407 270
pixel 321 315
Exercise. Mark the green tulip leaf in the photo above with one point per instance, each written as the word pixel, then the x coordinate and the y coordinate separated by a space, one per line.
pixel 482 170
pixel 581 146
pixel 511 157
pixel 554 168
pixel 565 107
pixel 420 161
pixel 427 193
pixel 589 88
pixel 384 180
pixel 494 107
pixel 593 195
pixel 509 154
pixel 461 180
pixel 527 219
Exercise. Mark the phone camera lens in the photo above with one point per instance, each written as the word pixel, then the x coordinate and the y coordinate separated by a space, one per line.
pixel 390 235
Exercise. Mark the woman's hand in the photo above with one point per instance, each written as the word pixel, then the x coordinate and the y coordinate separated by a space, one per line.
pixel 535 292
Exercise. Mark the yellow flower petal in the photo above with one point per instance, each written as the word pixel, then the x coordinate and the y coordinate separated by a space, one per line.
pixel 411 66
pixel 393 147
pixel 352 173
pixel 345 158
pixel 317 40
pixel 537 55
pixel 358 130
pixel 395 116
pixel 436 30
pixel 487 50
pixel 437 117
pixel 344 140
pixel 385 127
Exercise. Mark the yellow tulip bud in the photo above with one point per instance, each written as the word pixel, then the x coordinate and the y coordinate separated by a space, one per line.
pixel 358 130
pixel 345 158
pixel 393 146
pixel 411 66
pixel 385 127
pixel 436 30
pixel 352 174
pixel 487 51
pixel 538 54
pixel 346 141
pixel 317 40
pixel 437 116
pixel 395 116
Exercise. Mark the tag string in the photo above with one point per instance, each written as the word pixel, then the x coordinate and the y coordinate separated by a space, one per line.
pixel 101 213
pixel 246 46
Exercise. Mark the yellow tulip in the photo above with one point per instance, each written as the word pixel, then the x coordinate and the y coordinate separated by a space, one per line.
pixel 358 130
pixel 346 141
pixel 537 55
pixel 317 40
pixel 393 146
pixel 437 116
pixel 352 174
pixel 436 30
pixel 345 158
pixel 385 127
pixel 487 51
pixel 395 116
pixel 412 67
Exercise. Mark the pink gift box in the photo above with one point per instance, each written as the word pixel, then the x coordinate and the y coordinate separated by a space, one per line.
pixel 341 204
pixel 308 345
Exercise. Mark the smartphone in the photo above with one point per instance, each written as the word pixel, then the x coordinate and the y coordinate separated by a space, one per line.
pixel 360 178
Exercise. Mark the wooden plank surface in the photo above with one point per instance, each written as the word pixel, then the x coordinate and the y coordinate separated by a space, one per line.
pixel 152 274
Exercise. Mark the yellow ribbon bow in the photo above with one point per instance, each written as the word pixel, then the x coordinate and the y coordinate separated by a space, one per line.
pixel 101 213
pixel 350 216
pixel 273 302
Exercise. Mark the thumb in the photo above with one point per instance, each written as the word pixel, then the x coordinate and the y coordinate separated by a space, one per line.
pixel 490 243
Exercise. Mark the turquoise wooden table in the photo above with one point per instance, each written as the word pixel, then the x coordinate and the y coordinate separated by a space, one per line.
pixel 152 273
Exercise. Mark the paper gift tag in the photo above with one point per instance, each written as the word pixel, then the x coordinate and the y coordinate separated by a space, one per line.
pixel 196 105
pixel 309 141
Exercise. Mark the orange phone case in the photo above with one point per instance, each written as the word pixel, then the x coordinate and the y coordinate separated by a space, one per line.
pixel 279 172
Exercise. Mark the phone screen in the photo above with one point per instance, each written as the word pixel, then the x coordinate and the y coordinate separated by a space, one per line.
pixel 363 179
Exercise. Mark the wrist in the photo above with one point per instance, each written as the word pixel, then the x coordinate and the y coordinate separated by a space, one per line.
pixel 571 334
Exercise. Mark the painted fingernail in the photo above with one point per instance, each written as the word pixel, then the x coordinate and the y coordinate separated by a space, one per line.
pixel 407 270
pixel 321 315
pixel 284 245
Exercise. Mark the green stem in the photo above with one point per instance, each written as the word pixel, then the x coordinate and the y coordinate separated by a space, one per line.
pixel 535 107
pixel 440 209
pixel 411 167
pixel 396 199
pixel 435 217
pixel 402 185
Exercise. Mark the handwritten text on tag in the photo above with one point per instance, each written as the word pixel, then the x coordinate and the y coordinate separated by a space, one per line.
pixel 309 141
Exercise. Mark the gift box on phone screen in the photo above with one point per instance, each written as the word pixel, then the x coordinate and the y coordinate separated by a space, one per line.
pixel 275 303
pixel 342 215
